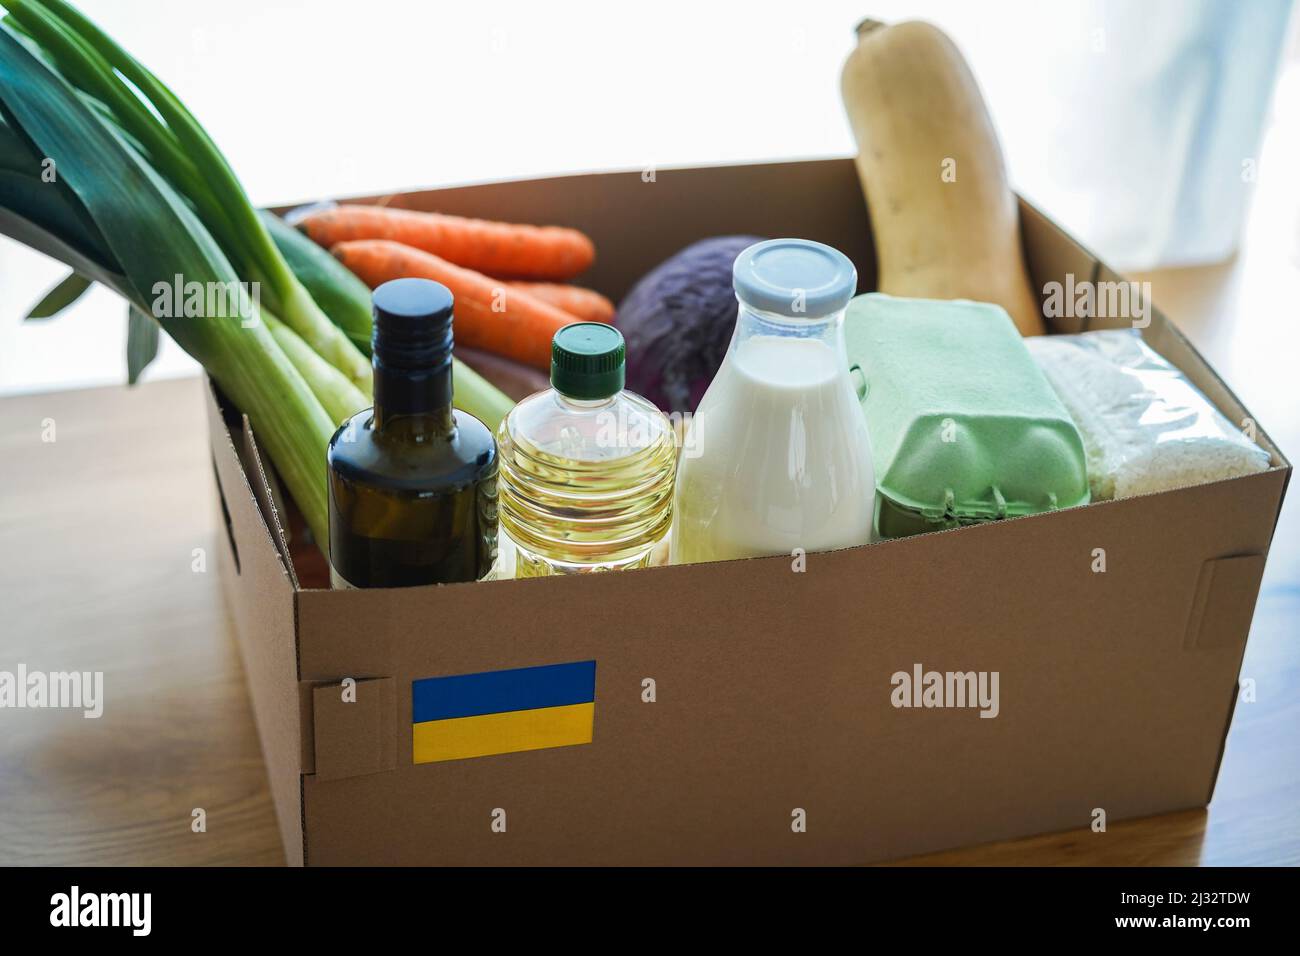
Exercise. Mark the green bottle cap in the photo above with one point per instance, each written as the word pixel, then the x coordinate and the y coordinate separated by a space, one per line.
pixel 587 360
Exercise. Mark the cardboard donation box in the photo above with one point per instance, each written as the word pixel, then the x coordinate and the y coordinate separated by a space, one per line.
pixel 745 712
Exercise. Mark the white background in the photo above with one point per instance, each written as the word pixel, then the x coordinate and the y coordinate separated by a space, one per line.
pixel 313 99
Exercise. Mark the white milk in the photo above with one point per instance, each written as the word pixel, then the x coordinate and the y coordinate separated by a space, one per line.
pixel 783 460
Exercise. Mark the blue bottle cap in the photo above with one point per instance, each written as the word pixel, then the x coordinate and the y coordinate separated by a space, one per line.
pixel 797 278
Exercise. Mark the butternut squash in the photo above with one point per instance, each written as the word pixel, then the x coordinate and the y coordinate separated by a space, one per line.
pixel 945 221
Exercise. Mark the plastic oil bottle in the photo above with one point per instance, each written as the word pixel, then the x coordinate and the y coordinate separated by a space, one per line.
pixel 587 469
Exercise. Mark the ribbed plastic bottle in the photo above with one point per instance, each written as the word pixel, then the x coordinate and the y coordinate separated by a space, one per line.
pixel 587 469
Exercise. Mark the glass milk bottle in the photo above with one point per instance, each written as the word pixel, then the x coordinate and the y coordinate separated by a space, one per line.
pixel 777 455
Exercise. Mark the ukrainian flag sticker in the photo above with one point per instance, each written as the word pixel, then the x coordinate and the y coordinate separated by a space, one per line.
pixel 501 712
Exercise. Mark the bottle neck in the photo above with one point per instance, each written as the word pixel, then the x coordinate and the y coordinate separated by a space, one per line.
pixel 585 404
pixel 413 403
pixel 752 322
pixel 413 377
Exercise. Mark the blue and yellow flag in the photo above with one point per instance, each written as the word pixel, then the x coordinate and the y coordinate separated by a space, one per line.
pixel 501 712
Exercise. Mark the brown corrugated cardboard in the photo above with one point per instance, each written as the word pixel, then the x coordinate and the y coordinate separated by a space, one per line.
pixel 353 729
pixel 1049 252
pixel 1224 601
pixel 260 593
pixel 772 687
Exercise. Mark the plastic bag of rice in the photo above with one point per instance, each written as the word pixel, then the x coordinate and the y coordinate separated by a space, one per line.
pixel 1145 427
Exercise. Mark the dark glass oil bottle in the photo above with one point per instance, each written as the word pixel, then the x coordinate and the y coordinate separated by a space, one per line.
pixel 412 481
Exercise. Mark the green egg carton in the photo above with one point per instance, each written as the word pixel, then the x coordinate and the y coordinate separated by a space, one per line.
pixel 964 426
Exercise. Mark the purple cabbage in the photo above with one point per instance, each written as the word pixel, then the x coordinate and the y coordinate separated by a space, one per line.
pixel 677 322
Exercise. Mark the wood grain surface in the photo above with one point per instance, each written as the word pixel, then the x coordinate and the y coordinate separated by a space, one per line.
pixel 98 538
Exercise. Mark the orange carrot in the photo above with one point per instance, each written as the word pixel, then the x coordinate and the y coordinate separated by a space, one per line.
pixel 587 304
pixel 495 248
pixel 489 314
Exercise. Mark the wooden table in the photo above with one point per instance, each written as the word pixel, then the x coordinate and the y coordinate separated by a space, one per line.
pixel 98 531
pixel 98 536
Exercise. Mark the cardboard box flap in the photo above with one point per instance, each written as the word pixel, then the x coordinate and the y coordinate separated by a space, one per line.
pixel 1224 602
pixel 260 592
pixel 355 727
pixel 256 479
pixel 248 481
pixel 265 494
pixel 1051 255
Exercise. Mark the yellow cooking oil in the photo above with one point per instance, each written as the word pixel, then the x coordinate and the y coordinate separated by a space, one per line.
pixel 586 468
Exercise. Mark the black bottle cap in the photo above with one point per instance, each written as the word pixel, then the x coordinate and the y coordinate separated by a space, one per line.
pixel 412 326
pixel 411 345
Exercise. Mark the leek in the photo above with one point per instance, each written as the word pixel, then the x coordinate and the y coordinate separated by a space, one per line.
pixel 142 197
pixel 69 290
pixel 181 150
pixel 348 303
pixel 344 297
pixel 153 235
pixel 340 398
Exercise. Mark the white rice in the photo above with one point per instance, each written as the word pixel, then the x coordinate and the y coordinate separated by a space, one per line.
pixel 1145 427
